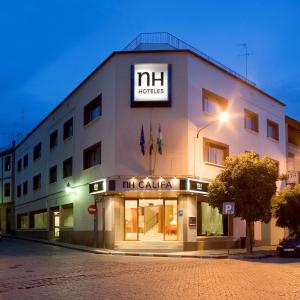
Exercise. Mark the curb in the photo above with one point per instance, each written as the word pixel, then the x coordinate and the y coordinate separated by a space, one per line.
pixel 143 254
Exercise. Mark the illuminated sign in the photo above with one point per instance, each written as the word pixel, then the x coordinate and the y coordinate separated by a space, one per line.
pixel 97 187
pixel 147 185
pixel 150 85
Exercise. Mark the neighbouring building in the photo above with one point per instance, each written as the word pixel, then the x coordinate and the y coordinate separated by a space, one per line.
pixel 7 160
pixel 82 176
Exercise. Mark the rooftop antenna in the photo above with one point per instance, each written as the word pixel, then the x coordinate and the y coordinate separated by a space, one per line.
pixel 246 54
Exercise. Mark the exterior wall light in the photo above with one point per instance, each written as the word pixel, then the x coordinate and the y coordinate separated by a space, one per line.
pixel 69 189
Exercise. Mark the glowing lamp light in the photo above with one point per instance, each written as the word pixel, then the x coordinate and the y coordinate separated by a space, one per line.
pixel 224 117
pixel 69 189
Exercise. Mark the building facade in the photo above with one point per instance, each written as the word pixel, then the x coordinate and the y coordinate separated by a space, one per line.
pixel 125 160
pixel 7 160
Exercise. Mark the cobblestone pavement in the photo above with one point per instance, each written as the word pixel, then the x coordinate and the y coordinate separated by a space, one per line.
pixel 30 270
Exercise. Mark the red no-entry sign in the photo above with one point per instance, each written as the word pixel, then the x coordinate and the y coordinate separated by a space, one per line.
pixel 92 209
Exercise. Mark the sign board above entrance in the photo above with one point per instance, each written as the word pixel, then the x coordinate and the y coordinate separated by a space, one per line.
pixel 150 85
pixel 149 185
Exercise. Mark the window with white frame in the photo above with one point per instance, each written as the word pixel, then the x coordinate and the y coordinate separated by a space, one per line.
pixel 212 103
pixel 215 152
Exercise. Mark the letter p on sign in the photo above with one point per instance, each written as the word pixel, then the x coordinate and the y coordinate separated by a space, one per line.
pixel 228 208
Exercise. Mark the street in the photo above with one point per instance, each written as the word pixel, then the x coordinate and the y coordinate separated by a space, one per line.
pixel 31 270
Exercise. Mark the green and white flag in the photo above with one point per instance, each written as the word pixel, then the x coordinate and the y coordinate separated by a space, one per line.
pixel 159 141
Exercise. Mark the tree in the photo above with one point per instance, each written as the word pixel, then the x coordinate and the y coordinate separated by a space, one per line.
pixel 249 182
pixel 287 209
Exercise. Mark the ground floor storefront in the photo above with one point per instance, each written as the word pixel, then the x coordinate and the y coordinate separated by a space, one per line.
pixel 139 213
pixel 6 218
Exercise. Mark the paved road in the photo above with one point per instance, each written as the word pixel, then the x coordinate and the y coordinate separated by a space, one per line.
pixel 36 271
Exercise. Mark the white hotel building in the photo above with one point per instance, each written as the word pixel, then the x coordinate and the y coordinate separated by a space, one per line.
pixel 90 143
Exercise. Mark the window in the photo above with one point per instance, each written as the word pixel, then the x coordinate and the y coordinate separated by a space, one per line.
pixel 37 182
pixel 213 103
pixel 19 190
pixel 25 161
pixel 67 167
pixel 214 152
pixel 210 222
pixel 251 120
pixel 7 163
pixel 19 165
pixel 68 129
pixel 92 156
pixel 37 151
pixel 53 174
pixel 67 212
pixel 277 165
pixel 272 130
pixel 93 110
pixel 53 139
pixel 23 221
pixel 40 220
pixel 25 187
pixel 7 189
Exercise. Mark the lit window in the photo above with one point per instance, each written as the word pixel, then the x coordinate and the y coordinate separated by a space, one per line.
pixel 92 156
pixel 40 220
pixel 93 110
pixel 213 103
pixel 272 130
pixel 251 120
pixel 215 152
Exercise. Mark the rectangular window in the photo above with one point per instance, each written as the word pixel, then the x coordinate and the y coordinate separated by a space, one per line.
pixel 215 152
pixel 23 221
pixel 272 130
pixel 93 110
pixel 40 220
pixel 37 151
pixel 68 218
pixel 37 182
pixel 53 174
pixel 19 165
pixel 291 162
pixel 67 167
pixel 7 189
pixel 212 103
pixel 210 222
pixel 68 129
pixel 92 156
pixel 19 190
pixel 25 161
pixel 251 120
pixel 7 163
pixel 53 139
pixel 277 166
pixel 25 187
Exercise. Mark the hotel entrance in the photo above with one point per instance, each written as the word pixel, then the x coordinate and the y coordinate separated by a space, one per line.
pixel 151 219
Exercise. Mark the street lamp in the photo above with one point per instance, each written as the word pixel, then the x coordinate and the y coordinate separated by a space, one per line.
pixel 222 118
pixel 69 189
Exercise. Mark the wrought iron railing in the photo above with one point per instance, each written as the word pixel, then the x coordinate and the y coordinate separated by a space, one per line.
pixel 176 43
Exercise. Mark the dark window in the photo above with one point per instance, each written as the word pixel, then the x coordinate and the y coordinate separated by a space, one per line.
pixel 272 130
pixel 25 187
pixel 93 110
pixel 7 163
pixel 53 174
pixel 67 167
pixel 37 151
pixel 19 190
pixel 68 129
pixel 92 156
pixel 251 120
pixel 53 139
pixel 214 152
pixel 277 166
pixel 25 161
pixel 7 189
pixel 213 103
pixel 37 182
pixel 19 165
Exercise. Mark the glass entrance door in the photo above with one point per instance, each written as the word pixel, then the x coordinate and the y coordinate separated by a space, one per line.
pixel 151 220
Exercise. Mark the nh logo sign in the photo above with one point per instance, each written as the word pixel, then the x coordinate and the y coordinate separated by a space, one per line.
pixel 228 208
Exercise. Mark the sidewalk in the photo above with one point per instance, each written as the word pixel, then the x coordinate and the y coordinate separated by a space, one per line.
pixel 258 252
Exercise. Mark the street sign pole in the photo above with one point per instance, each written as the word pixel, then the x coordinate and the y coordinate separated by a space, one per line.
pixel 228 209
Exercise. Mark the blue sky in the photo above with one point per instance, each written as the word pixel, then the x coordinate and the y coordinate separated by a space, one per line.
pixel 49 47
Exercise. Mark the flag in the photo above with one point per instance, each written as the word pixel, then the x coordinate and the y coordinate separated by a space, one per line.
pixel 142 141
pixel 159 141
pixel 151 141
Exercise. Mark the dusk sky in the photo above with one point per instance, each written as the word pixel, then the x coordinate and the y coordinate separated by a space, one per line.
pixel 49 47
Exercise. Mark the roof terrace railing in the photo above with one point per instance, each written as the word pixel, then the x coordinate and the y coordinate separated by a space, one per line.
pixel 167 38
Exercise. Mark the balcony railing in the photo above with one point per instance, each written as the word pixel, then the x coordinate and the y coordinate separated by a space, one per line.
pixel 176 43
